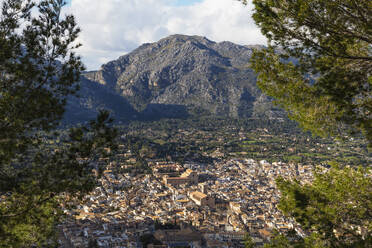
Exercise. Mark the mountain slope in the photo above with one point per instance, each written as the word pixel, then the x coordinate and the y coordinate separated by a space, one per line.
pixel 176 77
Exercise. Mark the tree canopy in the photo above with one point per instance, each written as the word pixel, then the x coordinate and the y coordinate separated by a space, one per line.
pixel 335 210
pixel 317 66
pixel 38 71
pixel 319 61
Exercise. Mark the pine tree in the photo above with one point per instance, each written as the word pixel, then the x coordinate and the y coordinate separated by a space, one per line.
pixel 319 62
pixel 335 210
pixel 318 67
pixel 39 70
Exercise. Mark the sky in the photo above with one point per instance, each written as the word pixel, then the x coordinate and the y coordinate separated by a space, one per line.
pixel 176 2
pixel 186 2
pixel 112 28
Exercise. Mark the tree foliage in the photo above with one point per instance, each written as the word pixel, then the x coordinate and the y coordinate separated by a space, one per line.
pixel 318 67
pixel 38 71
pixel 335 210
pixel 319 62
pixel 248 241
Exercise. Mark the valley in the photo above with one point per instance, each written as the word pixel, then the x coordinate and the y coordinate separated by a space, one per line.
pixel 200 182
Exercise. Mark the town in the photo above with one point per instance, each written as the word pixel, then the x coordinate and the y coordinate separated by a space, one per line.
pixel 194 189
pixel 202 205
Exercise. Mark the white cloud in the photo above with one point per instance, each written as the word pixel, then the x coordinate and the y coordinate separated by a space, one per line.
pixel 114 27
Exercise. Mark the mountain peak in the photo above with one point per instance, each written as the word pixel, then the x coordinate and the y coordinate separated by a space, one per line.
pixel 185 38
pixel 182 75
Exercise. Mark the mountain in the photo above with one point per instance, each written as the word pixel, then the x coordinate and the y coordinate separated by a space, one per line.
pixel 176 77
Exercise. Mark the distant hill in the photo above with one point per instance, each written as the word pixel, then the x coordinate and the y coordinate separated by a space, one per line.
pixel 176 77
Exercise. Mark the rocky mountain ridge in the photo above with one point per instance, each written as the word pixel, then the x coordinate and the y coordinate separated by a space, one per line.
pixel 176 77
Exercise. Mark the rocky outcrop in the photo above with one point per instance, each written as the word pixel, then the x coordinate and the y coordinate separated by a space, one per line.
pixel 177 76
